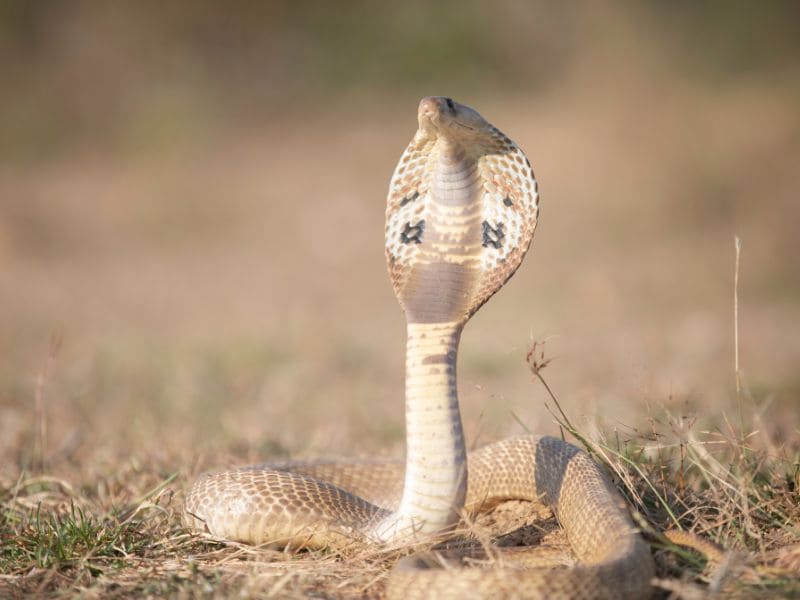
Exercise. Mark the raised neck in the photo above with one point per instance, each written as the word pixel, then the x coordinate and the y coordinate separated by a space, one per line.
pixel 436 468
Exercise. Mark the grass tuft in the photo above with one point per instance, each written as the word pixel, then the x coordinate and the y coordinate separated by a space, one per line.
pixel 732 494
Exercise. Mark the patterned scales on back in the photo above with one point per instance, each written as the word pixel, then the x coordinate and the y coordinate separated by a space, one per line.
pixel 462 208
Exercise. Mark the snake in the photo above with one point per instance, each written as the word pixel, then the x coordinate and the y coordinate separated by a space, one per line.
pixel 461 211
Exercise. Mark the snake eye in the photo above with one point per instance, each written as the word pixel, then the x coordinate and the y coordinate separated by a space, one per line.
pixel 450 104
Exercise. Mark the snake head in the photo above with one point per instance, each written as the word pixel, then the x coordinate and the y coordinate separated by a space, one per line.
pixel 442 116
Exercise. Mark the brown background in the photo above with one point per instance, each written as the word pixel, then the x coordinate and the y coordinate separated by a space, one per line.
pixel 192 197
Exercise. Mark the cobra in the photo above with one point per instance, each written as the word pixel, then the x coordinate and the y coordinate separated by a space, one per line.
pixel 461 211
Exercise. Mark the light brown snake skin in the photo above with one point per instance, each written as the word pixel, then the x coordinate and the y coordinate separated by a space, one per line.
pixel 461 212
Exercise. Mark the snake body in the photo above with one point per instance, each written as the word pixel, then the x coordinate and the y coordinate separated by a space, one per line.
pixel 461 212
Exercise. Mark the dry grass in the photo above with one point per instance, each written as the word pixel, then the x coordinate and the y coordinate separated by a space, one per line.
pixel 120 534
pixel 734 486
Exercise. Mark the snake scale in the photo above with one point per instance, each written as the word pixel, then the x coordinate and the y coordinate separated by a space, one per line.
pixel 462 208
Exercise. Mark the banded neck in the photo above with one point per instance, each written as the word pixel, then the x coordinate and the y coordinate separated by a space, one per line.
pixel 436 467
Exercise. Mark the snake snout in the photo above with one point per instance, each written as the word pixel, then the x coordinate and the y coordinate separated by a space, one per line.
pixel 428 107
pixel 431 108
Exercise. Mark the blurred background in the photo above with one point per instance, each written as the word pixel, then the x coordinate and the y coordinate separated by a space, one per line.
pixel 191 220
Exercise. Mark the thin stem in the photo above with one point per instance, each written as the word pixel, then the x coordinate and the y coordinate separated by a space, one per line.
pixel 738 245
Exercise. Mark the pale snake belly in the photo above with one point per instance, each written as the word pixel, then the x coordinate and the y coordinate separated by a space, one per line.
pixel 462 208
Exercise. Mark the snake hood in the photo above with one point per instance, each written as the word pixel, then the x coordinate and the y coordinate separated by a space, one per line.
pixel 461 211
